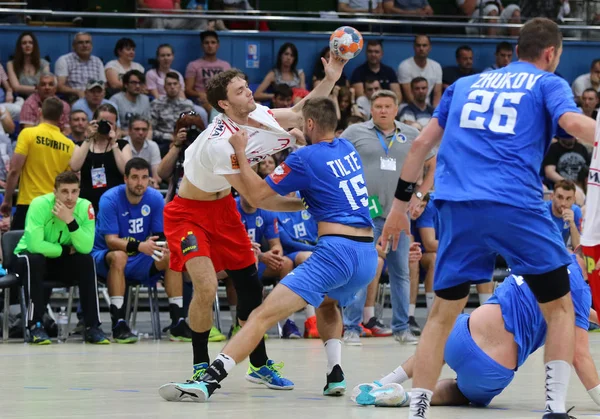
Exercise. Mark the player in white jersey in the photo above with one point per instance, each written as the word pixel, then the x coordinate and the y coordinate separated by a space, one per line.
pixel 202 225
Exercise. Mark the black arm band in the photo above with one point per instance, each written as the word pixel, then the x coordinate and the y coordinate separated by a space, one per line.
pixel 404 190
pixel 132 247
pixel 73 226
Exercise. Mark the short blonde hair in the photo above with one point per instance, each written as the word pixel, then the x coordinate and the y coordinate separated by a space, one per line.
pixel 384 93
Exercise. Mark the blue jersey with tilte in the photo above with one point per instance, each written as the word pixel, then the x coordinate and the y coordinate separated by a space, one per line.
pixel 523 317
pixel 497 128
pixel 330 178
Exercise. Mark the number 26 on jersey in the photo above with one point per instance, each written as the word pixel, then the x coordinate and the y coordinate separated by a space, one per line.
pixel 492 111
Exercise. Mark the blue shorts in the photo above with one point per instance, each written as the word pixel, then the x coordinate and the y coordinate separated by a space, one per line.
pixel 293 256
pixel 479 377
pixel 473 233
pixel 339 268
pixel 261 269
pixel 137 269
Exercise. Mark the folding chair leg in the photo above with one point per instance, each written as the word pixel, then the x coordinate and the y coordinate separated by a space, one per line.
pixel 69 309
pixel 24 313
pixel 136 300
pixel 128 304
pixel 155 312
pixel 5 314
pixel 217 312
pixel 106 296
pixel 279 330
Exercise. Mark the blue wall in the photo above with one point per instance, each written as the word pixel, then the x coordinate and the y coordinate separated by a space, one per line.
pixel 576 58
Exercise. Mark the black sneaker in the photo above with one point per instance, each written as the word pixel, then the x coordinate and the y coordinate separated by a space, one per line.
pixel 559 415
pixel 96 336
pixel 414 326
pixel 180 332
pixel 336 384
pixel 50 326
pixel 122 333
pixel 38 336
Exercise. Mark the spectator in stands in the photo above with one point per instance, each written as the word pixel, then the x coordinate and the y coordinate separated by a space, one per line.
pixel 420 65
pixel 364 102
pixel 565 158
pixel 284 72
pixel 75 69
pixel 166 7
pixel 543 8
pixel 504 54
pixel 6 153
pixel 319 72
pixel 200 71
pixel 242 6
pixel 31 112
pixel 565 214
pixel 59 234
pixel 383 144
pixel 464 67
pixel 589 102
pixel 589 80
pixel 360 6
pixel 407 7
pixel 142 147
pixel 26 67
pixel 490 12
pixel 165 111
pixel 12 103
pixel 42 152
pixel 417 113
pixel 116 69
pixel 7 125
pixel 101 158
pixel 155 78
pixel 267 166
pixel 345 106
pixel 132 101
pixel 282 96
pixel 374 69
pixel 130 222
pixel 78 121
pixel 93 99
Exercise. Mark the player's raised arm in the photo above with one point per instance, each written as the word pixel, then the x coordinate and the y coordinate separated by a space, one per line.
pixel 292 117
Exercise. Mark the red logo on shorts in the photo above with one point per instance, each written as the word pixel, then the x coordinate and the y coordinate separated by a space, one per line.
pixel 280 173
pixel 91 213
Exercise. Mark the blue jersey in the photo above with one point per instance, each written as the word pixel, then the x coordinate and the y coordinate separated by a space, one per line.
pixel 497 128
pixel 331 181
pixel 133 222
pixel 563 227
pixel 260 225
pixel 428 219
pixel 523 317
pixel 298 231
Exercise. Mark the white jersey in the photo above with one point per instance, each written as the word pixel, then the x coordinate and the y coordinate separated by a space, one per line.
pixel 212 156
pixel 591 222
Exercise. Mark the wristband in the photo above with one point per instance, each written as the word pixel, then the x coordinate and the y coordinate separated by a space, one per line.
pixel 595 394
pixel 133 247
pixel 404 190
pixel 72 226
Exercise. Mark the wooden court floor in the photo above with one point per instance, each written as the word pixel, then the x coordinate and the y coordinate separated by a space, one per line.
pixel 75 380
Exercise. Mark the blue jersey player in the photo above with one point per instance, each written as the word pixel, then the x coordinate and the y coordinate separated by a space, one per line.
pixel 494 129
pixel 298 234
pixel 330 178
pixel 487 347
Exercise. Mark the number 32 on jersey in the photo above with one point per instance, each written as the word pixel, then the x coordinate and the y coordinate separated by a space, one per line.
pixel 492 111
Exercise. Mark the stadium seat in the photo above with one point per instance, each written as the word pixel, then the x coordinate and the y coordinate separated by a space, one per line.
pixel 10 240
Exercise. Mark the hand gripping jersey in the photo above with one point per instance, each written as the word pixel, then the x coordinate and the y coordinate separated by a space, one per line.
pixel 211 155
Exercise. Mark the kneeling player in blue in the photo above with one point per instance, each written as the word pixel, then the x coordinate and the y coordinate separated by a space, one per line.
pixel 130 221
pixel 330 178
pixel 507 328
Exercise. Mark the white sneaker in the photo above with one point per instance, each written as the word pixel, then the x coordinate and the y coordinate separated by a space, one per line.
pixel 406 337
pixel 389 395
pixel 365 388
pixel 351 338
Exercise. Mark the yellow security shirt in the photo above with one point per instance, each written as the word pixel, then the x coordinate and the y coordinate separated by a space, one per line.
pixel 48 153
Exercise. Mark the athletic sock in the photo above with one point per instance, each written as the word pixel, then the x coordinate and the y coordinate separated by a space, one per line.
pixel 429 296
pixel 558 374
pixel 117 301
pixel 228 362
pixel 200 347
pixel 176 309
pixel 368 313
pixel 259 357
pixel 309 311
pixel 419 403
pixel 333 349
pixel 397 376
pixel 292 317
pixel 411 310
pixel 217 371
pixel 483 298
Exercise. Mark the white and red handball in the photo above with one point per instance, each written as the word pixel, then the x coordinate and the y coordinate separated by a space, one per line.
pixel 346 42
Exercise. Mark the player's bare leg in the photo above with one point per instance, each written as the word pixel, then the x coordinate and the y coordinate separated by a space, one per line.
pixel 179 330
pixel 485 291
pixel 330 327
pixel 370 321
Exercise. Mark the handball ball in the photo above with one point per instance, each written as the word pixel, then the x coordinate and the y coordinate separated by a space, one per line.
pixel 346 42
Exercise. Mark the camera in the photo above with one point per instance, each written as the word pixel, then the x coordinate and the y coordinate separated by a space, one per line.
pixel 192 133
pixel 104 127
pixel 193 124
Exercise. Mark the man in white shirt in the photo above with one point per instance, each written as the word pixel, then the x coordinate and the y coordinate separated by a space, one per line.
pixel 586 81
pixel 364 102
pixel 421 66
pixel 143 147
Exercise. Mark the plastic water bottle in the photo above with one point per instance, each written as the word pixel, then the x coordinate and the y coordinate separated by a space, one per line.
pixel 62 320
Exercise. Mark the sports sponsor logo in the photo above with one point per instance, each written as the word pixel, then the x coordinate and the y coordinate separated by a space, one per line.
pixel 189 243
pixel 91 213
pixel 234 161
pixel 145 210
pixel 280 173
pixel 218 130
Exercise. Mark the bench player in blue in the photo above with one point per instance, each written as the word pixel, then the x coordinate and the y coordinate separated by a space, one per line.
pixel 330 179
pixel 494 129
pixel 487 347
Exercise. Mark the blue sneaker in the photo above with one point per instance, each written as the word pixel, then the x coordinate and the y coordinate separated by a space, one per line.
pixel 364 388
pixel 38 336
pixel 96 336
pixel 336 384
pixel 269 376
pixel 290 330
pixel 389 395
pixel 195 391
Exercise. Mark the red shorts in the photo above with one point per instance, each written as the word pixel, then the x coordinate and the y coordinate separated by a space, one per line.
pixel 207 228
pixel 592 254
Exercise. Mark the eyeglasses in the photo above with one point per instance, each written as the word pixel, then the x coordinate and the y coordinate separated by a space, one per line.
pixel 134 82
pixel 190 113
pixel 92 81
